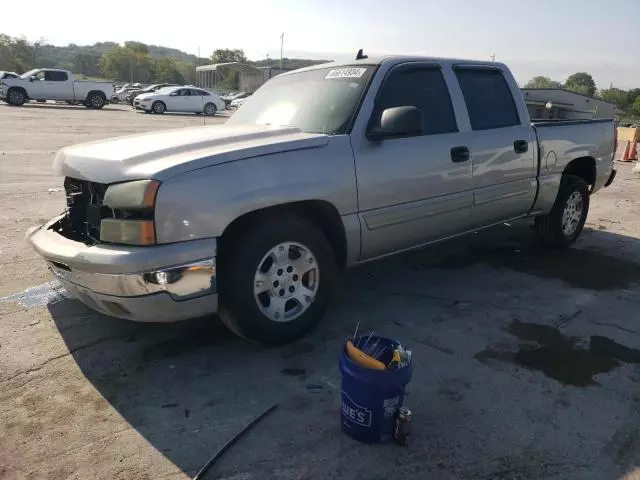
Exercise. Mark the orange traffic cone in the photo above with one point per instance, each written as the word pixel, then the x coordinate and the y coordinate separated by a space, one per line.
pixel 625 155
pixel 633 154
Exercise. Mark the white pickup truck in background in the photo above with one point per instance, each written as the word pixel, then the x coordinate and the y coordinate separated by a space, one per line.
pixel 54 84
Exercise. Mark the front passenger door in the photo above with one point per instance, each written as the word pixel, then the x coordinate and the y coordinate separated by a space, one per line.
pixel 415 189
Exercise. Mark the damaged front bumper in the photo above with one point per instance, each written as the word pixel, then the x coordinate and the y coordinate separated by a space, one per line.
pixel 162 283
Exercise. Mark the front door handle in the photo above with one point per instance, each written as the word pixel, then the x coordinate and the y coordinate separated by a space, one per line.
pixel 520 146
pixel 460 154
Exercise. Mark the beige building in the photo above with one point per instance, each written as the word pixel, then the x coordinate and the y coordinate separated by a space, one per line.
pixel 249 78
pixel 561 104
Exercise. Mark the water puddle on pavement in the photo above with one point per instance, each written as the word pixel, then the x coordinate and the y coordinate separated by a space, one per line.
pixel 40 296
pixel 558 356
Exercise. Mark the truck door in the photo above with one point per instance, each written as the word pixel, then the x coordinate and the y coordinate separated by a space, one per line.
pixel 58 86
pixel 501 146
pixel 414 189
pixel 37 88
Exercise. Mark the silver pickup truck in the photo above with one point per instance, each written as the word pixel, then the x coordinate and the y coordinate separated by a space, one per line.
pixel 321 169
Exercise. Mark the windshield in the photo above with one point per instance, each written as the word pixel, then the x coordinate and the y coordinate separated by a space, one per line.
pixel 29 73
pixel 315 101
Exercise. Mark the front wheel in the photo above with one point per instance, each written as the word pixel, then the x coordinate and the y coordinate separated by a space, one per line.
pixel 563 225
pixel 276 278
pixel 158 107
pixel 16 98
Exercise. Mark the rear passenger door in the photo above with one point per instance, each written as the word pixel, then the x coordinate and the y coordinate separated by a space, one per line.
pixel 58 86
pixel 501 146
pixel 414 189
pixel 197 100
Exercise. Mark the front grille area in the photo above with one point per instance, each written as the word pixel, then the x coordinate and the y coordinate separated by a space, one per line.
pixel 84 210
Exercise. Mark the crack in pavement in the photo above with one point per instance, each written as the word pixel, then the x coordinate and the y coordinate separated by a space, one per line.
pixel 613 325
pixel 58 357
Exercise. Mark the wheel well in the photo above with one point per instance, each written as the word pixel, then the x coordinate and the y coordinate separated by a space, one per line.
pixel 24 92
pixel 320 212
pixel 99 92
pixel 584 167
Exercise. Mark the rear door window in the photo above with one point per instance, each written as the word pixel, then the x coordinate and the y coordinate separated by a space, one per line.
pixel 421 87
pixel 488 97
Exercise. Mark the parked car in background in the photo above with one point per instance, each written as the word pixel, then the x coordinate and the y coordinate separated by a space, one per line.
pixel 43 84
pixel 132 94
pixel 4 74
pixel 236 103
pixel 179 99
pixel 121 93
pixel 234 96
pixel 322 168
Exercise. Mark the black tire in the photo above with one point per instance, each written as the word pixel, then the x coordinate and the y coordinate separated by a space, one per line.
pixel 210 109
pixel 158 107
pixel 96 100
pixel 243 253
pixel 551 228
pixel 16 97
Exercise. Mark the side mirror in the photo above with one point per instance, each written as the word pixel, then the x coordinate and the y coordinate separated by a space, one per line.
pixel 398 122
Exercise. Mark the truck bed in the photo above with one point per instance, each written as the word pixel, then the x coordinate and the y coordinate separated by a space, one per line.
pixel 561 142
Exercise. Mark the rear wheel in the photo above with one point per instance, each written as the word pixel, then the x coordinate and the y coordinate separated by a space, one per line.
pixel 276 279
pixel 210 109
pixel 96 100
pixel 563 225
pixel 158 107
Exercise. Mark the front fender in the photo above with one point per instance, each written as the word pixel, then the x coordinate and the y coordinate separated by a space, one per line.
pixel 202 203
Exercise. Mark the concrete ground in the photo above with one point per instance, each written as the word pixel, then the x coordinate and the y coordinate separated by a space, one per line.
pixel 525 360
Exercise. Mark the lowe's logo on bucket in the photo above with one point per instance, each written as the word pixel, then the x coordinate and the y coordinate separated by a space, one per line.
pixel 354 412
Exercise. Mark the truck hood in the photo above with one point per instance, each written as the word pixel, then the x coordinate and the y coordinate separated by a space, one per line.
pixel 164 154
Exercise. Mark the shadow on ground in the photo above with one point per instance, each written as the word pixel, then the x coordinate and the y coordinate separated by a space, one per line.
pixel 188 387
pixel 64 107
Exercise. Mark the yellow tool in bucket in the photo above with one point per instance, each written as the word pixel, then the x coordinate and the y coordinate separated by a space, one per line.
pixel 362 359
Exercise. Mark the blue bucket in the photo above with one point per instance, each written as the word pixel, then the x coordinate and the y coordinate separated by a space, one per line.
pixel 370 398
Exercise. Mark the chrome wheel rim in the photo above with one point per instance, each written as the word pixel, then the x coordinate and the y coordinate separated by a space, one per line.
pixel 158 108
pixel 209 109
pixel 286 282
pixel 96 101
pixel 572 214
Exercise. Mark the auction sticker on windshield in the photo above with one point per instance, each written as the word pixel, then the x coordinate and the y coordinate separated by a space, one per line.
pixel 346 73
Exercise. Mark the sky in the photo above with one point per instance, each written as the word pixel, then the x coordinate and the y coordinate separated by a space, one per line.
pixel 554 38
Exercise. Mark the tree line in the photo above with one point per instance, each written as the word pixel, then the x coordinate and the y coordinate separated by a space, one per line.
pixel 131 62
pixel 627 100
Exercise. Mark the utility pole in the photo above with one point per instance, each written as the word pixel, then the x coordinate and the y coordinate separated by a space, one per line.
pixel 281 45
pixel 493 57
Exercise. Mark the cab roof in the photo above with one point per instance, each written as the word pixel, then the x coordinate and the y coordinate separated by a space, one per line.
pixel 396 59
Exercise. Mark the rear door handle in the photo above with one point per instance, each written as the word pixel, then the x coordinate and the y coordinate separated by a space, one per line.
pixel 520 146
pixel 460 154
